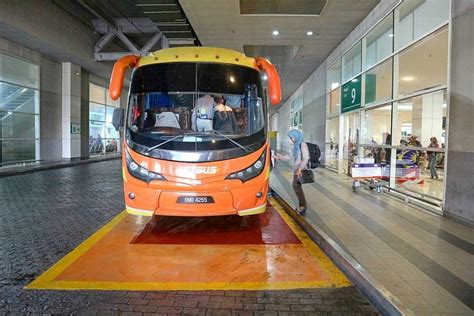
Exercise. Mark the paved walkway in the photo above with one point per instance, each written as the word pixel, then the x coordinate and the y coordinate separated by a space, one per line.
pixel 45 215
pixel 424 259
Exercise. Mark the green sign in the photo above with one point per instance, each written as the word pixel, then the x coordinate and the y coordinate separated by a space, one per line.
pixel 351 95
pixel 75 128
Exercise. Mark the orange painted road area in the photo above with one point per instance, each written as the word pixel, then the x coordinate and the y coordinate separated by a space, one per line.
pixel 266 251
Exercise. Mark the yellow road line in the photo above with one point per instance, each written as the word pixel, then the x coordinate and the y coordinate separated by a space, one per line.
pixel 47 277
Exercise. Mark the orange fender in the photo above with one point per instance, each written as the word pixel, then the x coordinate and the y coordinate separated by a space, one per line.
pixel 116 79
pixel 274 84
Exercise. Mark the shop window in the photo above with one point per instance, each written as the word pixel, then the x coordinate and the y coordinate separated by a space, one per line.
pixel 334 101
pixel 424 65
pixel 19 72
pixel 334 76
pixel 332 142
pixel 15 151
pixel 351 62
pixel 417 18
pixel 378 83
pixel 379 42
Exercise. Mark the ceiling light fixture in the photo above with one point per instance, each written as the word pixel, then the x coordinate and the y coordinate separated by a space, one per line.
pixel 408 78
pixel 390 35
pixel 309 33
pixel 275 33
pixel 232 79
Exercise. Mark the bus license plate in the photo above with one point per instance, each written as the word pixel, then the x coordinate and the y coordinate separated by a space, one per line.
pixel 195 199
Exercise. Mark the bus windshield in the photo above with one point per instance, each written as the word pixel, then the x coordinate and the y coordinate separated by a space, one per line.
pixel 203 102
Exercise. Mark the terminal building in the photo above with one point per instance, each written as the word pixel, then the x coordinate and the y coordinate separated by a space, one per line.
pixel 153 157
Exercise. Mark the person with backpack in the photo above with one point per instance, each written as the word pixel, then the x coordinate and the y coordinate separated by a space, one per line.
pixel 300 157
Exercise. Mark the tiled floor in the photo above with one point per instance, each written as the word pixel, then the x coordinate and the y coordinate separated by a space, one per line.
pixel 424 259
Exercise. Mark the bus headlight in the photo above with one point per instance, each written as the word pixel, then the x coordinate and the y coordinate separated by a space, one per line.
pixel 139 172
pixel 251 171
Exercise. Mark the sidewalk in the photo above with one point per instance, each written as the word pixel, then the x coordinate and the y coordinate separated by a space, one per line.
pixel 423 259
pixel 40 166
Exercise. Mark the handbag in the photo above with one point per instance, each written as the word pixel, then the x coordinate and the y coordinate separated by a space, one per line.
pixel 307 176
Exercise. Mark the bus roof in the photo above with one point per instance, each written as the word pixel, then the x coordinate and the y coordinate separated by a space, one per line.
pixel 197 54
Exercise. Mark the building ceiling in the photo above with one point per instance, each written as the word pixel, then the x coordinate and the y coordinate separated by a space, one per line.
pixel 295 54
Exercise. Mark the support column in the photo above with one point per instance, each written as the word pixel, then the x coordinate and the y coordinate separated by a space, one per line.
pixel 71 111
pixel 459 197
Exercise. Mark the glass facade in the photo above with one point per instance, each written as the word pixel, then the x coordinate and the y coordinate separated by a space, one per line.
pixel 19 111
pixel 103 138
pixel 401 124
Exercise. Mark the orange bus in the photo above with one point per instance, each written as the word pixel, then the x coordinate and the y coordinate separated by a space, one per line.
pixel 194 135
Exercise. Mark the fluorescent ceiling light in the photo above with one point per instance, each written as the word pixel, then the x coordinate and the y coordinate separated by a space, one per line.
pixel 275 32
pixel 408 78
pixel 309 33
pixel 390 35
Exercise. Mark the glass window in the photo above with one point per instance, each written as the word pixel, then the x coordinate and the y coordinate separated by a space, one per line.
pixel 334 76
pixel 18 125
pixel 14 98
pixel 420 118
pixel 379 42
pixel 416 18
pixel 376 126
pixel 12 151
pixel 421 126
pixel 351 139
pixel 334 101
pixel 96 112
pixel 424 65
pixel 378 83
pixel 114 103
pixel 332 142
pixel 97 94
pixel 19 72
pixel 351 62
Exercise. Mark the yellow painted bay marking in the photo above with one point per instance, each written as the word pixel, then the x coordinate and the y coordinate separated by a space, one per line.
pixel 47 279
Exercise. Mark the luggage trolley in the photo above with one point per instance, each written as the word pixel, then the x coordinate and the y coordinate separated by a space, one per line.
pixel 367 171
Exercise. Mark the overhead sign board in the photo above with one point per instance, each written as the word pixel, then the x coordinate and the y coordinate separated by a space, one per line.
pixel 351 92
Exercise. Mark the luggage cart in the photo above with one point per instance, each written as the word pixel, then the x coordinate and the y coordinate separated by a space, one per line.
pixel 367 171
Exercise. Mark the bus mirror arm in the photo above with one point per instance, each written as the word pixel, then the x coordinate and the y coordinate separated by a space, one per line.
pixel 274 85
pixel 118 72
pixel 118 118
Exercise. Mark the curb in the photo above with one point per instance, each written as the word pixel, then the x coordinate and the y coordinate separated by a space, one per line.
pixel 39 168
pixel 377 294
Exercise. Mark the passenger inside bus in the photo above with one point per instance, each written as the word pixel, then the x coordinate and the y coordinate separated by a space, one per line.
pixel 224 117
pixel 203 114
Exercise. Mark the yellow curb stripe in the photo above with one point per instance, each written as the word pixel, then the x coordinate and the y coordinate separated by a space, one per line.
pixel 335 274
pixel 48 276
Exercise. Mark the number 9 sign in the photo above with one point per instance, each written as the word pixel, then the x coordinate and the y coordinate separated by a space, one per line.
pixel 353 94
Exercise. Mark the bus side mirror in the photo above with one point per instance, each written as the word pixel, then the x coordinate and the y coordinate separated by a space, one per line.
pixel 118 72
pixel 274 85
pixel 118 118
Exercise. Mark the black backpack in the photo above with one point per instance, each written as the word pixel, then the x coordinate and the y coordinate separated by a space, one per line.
pixel 314 155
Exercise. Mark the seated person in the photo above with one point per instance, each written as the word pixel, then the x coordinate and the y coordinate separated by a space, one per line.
pixel 224 118
pixel 203 114
pixel 167 119
pixel 150 119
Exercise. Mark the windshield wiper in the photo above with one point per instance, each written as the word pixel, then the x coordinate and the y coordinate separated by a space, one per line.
pixel 165 142
pixel 232 141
